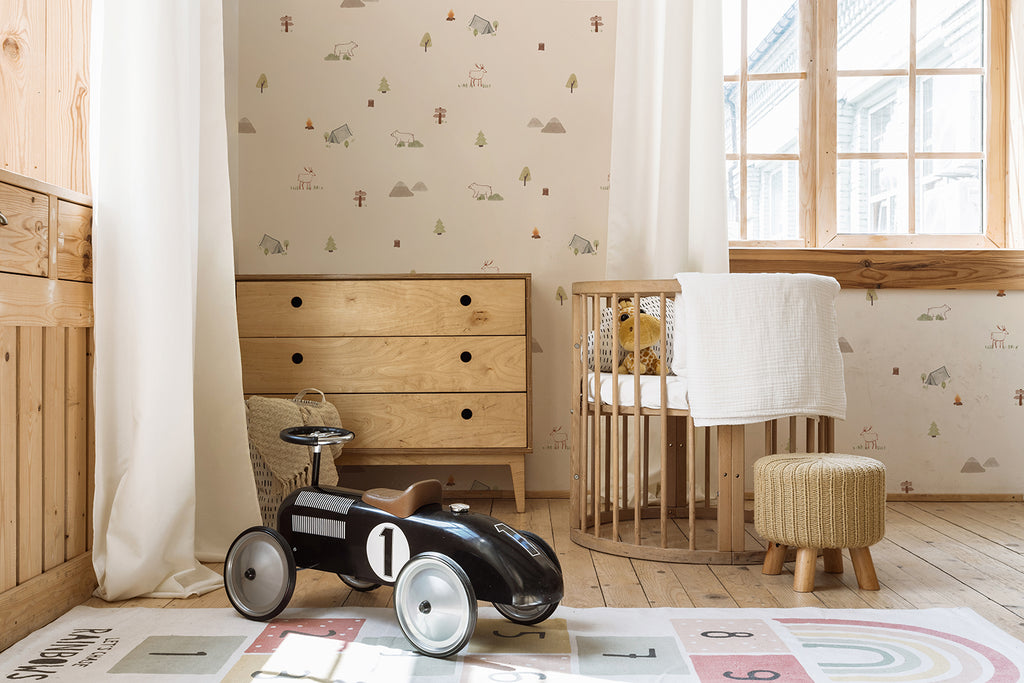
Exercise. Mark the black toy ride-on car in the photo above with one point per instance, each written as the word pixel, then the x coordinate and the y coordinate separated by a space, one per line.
pixel 439 560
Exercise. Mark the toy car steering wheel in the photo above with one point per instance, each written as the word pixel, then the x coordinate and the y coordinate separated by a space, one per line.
pixel 316 436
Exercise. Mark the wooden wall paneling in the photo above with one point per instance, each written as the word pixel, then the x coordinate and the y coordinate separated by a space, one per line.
pixel 22 93
pixel 67 93
pixel 54 459
pixel 76 401
pixel 90 441
pixel 8 457
pixel 30 453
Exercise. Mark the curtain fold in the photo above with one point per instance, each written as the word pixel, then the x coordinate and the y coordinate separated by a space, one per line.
pixel 667 202
pixel 173 479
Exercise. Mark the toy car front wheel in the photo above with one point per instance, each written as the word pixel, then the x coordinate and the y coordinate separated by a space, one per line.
pixel 435 604
pixel 537 614
pixel 358 584
pixel 259 573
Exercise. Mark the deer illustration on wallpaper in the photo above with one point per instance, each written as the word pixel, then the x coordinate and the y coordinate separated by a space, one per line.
pixel 999 337
pixel 870 438
pixel 305 178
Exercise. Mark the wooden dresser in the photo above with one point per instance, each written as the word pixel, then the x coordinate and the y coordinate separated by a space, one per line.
pixel 425 369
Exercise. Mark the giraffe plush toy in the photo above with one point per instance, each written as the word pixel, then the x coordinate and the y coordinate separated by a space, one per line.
pixel 637 334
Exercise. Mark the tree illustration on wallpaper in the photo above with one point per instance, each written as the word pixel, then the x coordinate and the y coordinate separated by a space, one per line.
pixel 331 246
pixel 524 175
pixel 572 83
pixel 439 228
pixel 560 296
pixel 933 430
pixel 287 23
pixel 425 42
pixel 872 296
pixel 383 87
pixel 480 139
pixel 261 82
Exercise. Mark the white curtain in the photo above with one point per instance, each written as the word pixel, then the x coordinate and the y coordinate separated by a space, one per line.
pixel 667 205
pixel 173 480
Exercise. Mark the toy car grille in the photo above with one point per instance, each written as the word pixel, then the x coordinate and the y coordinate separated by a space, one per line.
pixel 318 527
pixel 323 501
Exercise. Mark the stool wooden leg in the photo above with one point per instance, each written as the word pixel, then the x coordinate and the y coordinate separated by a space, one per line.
pixel 803 572
pixel 774 559
pixel 864 568
pixel 833 560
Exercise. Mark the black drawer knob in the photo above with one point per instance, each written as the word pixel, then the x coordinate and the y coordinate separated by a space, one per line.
pixel 296 358
pixel 296 301
pixel 465 300
pixel 465 356
pixel 466 413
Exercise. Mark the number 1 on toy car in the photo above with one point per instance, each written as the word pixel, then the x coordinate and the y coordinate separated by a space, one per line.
pixel 387 550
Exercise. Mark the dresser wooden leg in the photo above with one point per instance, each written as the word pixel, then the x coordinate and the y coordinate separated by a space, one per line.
pixel 864 568
pixel 518 467
pixel 774 559
pixel 803 572
pixel 833 560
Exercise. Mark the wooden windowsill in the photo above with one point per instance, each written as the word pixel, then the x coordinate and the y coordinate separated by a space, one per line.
pixel 982 269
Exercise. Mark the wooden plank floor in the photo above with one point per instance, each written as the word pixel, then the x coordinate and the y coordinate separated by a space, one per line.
pixel 933 555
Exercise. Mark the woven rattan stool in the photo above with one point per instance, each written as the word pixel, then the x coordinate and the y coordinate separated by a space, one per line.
pixel 820 501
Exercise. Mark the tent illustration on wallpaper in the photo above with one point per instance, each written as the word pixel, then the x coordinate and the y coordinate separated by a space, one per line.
pixel 339 135
pixel 581 245
pixel 971 466
pixel 553 126
pixel 481 26
pixel 245 126
pixel 937 377
pixel 269 245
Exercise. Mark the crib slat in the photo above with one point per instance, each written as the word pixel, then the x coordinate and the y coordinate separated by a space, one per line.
pixel 691 479
pixel 792 434
pixel 636 422
pixel 663 414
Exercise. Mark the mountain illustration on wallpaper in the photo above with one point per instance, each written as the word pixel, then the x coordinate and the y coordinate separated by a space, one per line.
pixel 400 190
pixel 971 466
pixel 245 126
pixel 353 3
pixel 553 126
pixel 534 123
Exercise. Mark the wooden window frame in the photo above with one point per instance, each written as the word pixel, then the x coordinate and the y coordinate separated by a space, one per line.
pixel 914 260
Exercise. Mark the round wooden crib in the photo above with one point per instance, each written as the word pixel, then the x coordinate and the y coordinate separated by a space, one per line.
pixel 644 483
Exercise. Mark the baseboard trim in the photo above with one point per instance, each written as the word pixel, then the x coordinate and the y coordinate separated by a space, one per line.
pixel 504 494
pixel 954 497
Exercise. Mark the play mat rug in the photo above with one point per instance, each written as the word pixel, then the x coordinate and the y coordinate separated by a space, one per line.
pixel 365 644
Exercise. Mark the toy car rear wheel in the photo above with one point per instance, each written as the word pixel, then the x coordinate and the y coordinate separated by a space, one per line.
pixel 538 613
pixel 358 584
pixel 435 604
pixel 259 573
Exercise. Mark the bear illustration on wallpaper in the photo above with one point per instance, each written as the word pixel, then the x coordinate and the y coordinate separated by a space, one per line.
pixel 936 313
pixel 403 139
pixel 342 51
pixel 482 192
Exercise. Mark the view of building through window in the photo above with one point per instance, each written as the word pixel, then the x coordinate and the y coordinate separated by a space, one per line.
pixel 908 138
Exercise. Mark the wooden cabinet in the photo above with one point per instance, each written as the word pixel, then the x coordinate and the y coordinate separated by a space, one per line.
pixel 425 369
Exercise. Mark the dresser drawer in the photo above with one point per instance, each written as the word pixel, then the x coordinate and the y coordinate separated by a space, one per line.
pixel 24 240
pixel 329 308
pixel 384 364
pixel 415 421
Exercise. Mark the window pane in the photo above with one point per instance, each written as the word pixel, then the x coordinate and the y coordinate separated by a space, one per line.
pixel 732 118
pixel 949 34
pixel 872 196
pixel 732 181
pixel 949 197
pixel 731 50
pixel 773 117
pixel 772 29
pixel 872 114
pixel 773 206
pixel 874 34
pixel 950 114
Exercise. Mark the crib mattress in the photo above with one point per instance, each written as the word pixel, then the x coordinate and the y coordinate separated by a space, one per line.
pixel 650 390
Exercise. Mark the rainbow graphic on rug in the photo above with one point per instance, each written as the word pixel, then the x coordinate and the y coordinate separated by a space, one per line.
pixel 341 645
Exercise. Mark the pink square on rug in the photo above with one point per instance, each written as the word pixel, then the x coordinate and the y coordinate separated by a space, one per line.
pixel 342 630
pixel 750 668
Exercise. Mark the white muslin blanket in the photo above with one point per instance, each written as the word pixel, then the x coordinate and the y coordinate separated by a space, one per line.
pixel 757 347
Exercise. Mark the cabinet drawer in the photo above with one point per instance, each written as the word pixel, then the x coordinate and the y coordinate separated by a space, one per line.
pixel 74 242
pixel 350 308
pixel 24 240
pixel 433 420
pixel 384 364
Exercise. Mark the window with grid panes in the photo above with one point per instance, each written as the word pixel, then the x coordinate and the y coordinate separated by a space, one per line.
pixel 863 123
